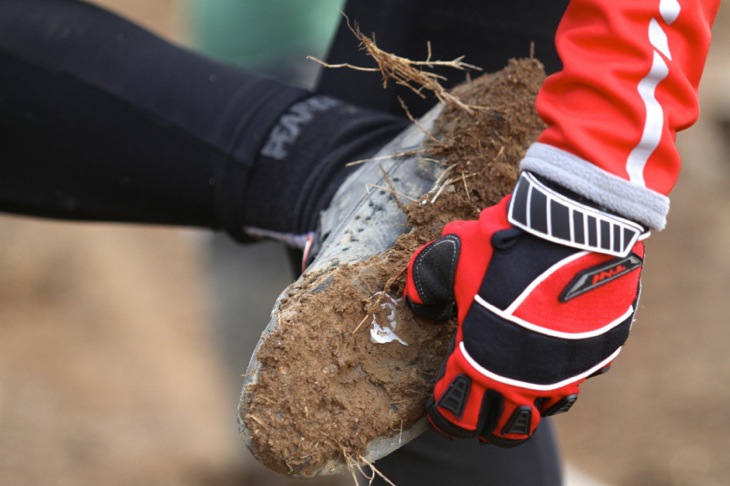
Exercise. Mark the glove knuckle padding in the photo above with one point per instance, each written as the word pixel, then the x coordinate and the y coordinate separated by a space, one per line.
pixel 451 407
pixel 506 424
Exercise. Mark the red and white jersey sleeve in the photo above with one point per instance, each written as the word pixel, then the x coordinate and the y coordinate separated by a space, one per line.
pixel 631 70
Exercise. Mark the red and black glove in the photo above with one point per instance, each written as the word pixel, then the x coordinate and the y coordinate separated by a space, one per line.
pixel 545 289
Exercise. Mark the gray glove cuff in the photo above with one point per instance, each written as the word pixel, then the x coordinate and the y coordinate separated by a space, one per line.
pixel 633 202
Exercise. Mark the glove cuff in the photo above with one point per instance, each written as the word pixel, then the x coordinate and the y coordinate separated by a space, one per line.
pixel 634 202
pixel 550 215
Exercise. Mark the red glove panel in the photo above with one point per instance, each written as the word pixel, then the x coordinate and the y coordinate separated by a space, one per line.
pixel 545 289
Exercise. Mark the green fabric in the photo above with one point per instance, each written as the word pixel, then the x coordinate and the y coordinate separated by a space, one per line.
pixel 259 33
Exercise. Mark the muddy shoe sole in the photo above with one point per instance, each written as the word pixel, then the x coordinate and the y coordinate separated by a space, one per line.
pixel 363 220
pixel 344 370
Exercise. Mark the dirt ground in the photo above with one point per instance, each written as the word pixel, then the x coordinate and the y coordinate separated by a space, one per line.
pixel 109 371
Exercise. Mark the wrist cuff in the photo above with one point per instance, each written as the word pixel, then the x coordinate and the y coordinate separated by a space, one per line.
pixel 633 202
pixel 555 217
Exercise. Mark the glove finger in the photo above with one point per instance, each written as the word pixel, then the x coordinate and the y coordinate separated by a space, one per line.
pixel 431 273
pixel 504 423
pixel 559 406
pixel 446 413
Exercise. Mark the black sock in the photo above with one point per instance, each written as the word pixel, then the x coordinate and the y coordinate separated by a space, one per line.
pixel 303 161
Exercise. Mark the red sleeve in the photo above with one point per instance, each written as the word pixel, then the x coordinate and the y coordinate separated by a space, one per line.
pixel 631 70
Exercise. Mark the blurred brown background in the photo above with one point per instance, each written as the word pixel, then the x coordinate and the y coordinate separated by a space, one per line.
pixel 112 373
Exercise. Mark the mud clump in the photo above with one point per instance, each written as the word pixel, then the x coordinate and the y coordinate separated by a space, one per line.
pixel 324 389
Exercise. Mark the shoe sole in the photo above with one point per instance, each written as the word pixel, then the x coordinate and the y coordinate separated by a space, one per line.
pixel 359 224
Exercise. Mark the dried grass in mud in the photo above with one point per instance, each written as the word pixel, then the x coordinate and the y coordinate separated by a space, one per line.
pixel 325 390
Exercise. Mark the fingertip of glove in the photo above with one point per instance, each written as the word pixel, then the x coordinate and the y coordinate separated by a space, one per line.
pixel 446 428
pixel 562 406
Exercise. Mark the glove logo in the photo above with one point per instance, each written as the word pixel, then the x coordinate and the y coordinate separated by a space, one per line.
pixel 600 275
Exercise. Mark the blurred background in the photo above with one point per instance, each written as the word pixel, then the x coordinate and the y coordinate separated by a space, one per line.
pixel 121 346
